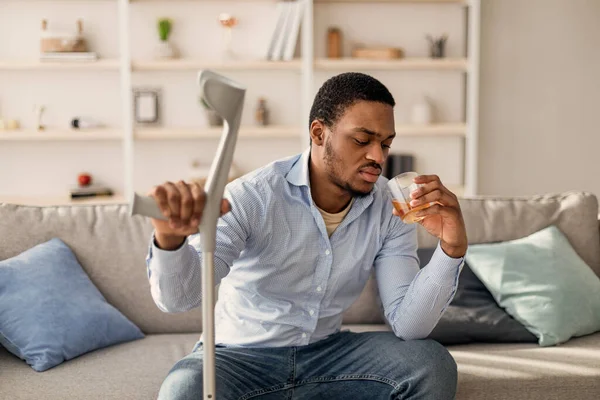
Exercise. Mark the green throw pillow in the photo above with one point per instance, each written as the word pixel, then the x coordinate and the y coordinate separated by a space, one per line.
pixel 541 282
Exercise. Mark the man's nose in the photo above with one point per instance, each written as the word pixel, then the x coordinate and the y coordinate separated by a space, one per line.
pixel 376 154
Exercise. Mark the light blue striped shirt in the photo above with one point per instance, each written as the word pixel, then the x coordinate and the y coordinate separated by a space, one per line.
pixel 285 282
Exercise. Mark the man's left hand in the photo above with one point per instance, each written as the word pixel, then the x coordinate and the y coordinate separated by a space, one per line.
pixel 444 219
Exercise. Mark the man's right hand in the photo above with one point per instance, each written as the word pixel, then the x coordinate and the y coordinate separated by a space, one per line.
pixel 182 203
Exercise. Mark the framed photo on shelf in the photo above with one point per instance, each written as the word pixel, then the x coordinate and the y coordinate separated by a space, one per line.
pixel 146 106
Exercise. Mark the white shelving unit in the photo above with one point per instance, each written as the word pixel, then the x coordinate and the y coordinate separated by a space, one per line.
pixel 213 133
pixel 195 65
pixel 61 135
pixel 406 64
pixel 304 68
pixel 26 65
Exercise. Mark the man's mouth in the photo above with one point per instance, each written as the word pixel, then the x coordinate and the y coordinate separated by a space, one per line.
pixel 370 174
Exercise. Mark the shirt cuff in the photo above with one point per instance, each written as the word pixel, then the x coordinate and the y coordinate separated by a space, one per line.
pixel 442 268
pixel 168 261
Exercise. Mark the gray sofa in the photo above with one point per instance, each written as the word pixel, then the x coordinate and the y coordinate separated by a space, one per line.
pixel 111 246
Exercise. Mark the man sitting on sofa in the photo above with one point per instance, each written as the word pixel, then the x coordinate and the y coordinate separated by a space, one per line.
pixel 296 244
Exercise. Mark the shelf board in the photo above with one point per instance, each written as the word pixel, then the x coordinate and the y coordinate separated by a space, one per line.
pixel 327 1
pixel 61 200
pixel 61 134
pixel 36 65
pixel 190 64
pixel 450 129
pixel 459 64
pixel 195 1
pixel 394 1
pixel 275 132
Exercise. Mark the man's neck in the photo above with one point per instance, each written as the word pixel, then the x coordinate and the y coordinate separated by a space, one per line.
pixel 327 195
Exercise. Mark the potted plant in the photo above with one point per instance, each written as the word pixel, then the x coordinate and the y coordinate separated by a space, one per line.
pixel 165 49
pixel 212 117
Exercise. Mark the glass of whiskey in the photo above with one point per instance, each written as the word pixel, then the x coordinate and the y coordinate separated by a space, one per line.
pixel 400 187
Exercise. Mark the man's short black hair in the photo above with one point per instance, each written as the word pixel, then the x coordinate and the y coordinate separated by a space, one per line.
pixel 342 91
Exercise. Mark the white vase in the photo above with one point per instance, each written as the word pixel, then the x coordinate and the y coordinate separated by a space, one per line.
pixel 165 49
pixel 421 112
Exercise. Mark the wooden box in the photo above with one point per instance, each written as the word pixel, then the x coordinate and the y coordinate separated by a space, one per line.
pixel 378 53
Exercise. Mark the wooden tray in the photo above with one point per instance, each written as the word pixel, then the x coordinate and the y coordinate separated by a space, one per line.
pixel 378 53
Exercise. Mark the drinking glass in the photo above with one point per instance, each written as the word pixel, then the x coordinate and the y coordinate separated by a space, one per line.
pixel 401 186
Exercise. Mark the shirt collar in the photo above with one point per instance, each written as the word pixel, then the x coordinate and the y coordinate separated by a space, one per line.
pixel 298 174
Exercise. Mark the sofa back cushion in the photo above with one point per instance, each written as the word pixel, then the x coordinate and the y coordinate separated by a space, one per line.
pixel 495 219
pixel 111 247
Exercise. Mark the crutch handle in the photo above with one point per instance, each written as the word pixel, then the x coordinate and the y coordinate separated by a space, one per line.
pixel 146 206
pixel 227 98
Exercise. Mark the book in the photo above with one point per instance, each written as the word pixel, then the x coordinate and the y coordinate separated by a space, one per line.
pixel 287 25
pixel 90 191
pixel 281 6
pixel 281 34
pixel 69 56
pixel 294 30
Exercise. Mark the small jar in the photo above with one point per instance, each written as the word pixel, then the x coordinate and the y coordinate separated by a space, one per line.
pixel 334 43
pixel 422 113
pixel 262 113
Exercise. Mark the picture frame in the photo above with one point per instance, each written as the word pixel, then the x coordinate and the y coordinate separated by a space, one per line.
pixel 146 104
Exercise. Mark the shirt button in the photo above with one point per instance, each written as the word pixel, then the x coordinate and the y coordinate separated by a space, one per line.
pixel 327 252
pixel 319 288
pixel 304 335
pixel 312 312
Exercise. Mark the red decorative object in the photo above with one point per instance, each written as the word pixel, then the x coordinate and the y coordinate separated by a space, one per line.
pixel 84 179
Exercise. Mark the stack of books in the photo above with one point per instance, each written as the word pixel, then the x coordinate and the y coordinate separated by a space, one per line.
pixel 82 192
pixel 69 56
pixel 286 30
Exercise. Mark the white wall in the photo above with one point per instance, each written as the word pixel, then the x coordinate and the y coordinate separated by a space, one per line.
pixel 39 169
pixel 540 96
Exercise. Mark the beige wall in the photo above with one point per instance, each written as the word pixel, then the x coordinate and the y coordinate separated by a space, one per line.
pixel 540 96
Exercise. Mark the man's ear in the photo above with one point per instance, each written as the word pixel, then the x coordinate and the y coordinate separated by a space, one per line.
pixel 317 132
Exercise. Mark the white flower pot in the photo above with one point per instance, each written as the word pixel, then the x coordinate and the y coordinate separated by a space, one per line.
pixel 422 113
pixel 165 49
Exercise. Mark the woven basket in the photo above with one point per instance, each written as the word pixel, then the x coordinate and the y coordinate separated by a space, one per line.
pixel 62 42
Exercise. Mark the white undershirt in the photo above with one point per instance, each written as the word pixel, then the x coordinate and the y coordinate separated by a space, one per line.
pixel 333 220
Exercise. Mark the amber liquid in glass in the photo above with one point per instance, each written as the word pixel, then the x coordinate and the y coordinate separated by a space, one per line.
pixel 407 213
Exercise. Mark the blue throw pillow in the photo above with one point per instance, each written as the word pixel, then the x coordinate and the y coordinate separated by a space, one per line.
pixel 50 311
pixel 542 282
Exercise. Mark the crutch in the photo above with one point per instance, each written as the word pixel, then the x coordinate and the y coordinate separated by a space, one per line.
pixel 226 98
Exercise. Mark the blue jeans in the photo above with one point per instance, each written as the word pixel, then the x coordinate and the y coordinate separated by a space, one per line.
pixel 346 365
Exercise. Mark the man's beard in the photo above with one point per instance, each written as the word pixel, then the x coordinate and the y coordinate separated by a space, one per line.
pixel 332 162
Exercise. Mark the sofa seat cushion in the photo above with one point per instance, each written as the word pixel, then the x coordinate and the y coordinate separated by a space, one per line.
pixel 135 370
pixel 527 371
pixel 524 371
pixel 128 371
